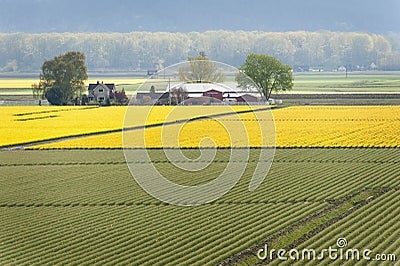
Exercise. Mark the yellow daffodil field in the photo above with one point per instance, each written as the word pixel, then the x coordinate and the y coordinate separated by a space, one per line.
pixel 297 126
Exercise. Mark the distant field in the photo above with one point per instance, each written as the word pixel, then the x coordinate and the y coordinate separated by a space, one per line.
pixel 355 83
pixel 16 86
pixel 15 83
pixel 15 92
pixel 385 82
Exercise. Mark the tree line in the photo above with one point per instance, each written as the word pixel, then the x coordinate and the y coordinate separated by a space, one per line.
pixel 138 51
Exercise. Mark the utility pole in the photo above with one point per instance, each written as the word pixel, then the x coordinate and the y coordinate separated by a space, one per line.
pixel 169 90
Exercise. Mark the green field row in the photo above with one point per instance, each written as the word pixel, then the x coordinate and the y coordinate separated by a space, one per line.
pixel 296 175
pixel 84 207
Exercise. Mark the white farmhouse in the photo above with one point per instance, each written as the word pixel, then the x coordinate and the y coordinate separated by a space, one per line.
pixel 100 92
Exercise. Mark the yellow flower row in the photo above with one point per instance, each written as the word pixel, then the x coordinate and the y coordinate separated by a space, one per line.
pixel 353 126
pixel 34 123
pixel 27 124
pixel 341 126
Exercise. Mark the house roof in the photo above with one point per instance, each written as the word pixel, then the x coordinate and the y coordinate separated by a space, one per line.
pixel 202 87
pixel 110 86
pixel 195 89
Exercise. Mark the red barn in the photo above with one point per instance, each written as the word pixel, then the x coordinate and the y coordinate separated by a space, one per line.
pixel 247 98
pixel 214 94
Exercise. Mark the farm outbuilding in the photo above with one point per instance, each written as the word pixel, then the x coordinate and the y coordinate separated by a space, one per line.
pixel 214 94
pixel 195 90
pixel 201 94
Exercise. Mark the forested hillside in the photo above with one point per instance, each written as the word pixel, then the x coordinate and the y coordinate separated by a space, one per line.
pixel 22 52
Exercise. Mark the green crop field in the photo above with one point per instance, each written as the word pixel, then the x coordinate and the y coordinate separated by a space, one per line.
pixel 84 207
pixel 374 226
pixel 357 82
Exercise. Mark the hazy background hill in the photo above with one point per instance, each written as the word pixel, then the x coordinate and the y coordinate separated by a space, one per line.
pixel 125 35
pixel 42 16
pixel 22 52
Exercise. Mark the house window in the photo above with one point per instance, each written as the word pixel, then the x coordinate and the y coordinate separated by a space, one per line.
pixel 101 90
pixel 101 99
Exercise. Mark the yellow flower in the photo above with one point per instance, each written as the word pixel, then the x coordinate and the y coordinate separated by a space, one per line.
pixel 299 126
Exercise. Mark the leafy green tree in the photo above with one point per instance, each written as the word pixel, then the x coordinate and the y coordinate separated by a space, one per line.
pixel 152 89
pixel 200 70
pixel 62 78
pixel 84 99
pixel 267 72
pixel 54 95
